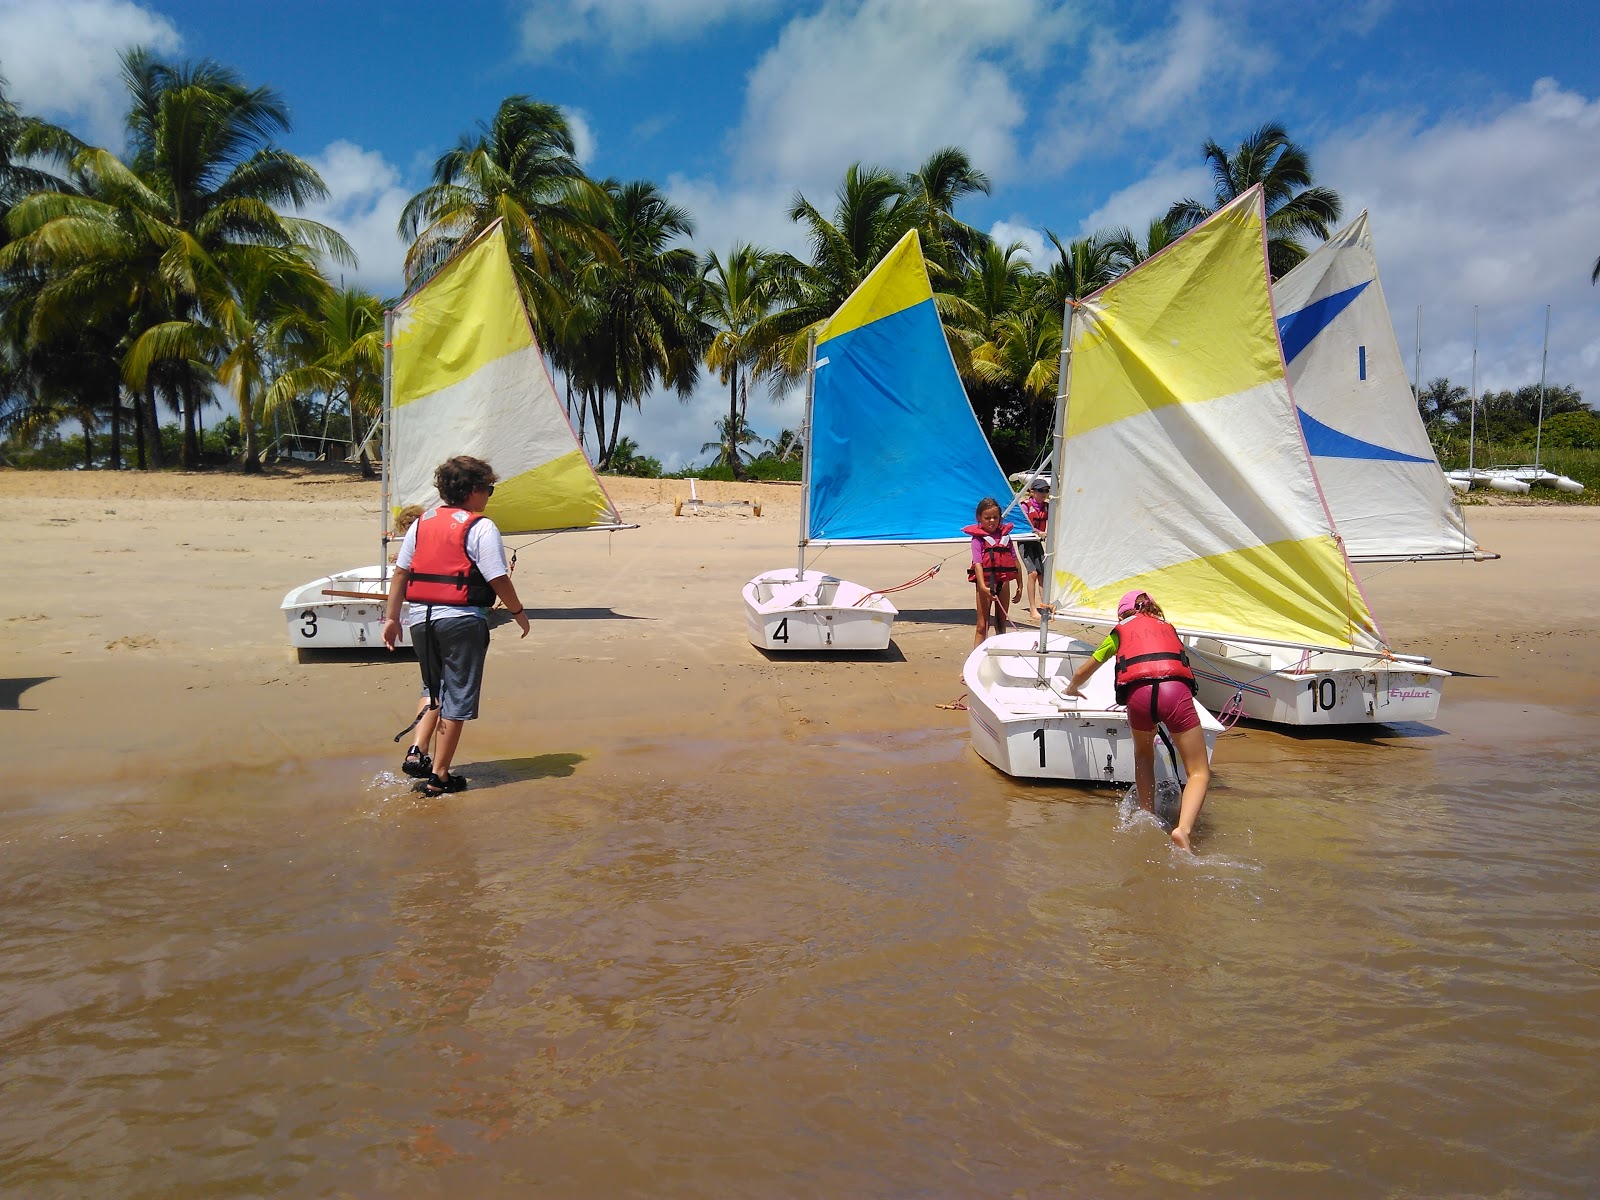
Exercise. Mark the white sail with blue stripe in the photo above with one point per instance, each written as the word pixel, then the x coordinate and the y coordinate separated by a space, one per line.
pixel 1376 467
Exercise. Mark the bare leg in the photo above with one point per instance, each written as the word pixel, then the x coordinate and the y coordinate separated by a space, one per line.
pixel 1035 586
pixel 1191 744
pixel 449 736
pixel 1144 767
pixel 983 619
pixel 423 735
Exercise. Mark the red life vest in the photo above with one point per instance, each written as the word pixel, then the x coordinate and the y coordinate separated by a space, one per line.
pixel 1148 651
pixel 441 571
pixel 1038 512
pixel 999 556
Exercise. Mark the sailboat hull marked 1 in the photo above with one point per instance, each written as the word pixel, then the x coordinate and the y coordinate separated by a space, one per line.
pixel 816 612
pixel 894 456
pixel 1021 723
pixel 465 376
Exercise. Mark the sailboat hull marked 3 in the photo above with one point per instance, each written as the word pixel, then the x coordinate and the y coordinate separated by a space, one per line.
pixel 1021 723
pixel 318 621
pixel 815 611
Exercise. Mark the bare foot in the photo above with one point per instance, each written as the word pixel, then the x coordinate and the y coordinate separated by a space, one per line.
pixel 1180 839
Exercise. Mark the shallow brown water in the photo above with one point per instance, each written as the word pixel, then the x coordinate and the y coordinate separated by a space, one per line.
pixel 868 966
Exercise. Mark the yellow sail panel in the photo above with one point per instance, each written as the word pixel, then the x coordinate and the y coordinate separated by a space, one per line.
pixel 899 281
pixel 1204 498
pixel 1279 591
pixel 465 317
pixel 560 494
pixel 1143 342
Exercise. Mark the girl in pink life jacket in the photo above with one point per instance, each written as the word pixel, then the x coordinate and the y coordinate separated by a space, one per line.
pixel 1156 685
pixel 993 570
pixel 1036 507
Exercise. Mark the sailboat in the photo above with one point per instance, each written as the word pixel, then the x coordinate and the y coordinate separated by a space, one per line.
pixel 894 456
pixel 1368 446
pixel 463 374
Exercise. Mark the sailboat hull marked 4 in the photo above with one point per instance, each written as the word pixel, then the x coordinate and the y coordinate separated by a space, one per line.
pixel 1022 724
pixel 318 621
pixel 1285 687
pixel 815 612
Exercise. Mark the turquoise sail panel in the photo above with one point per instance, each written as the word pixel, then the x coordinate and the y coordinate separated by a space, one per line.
pixel 896 452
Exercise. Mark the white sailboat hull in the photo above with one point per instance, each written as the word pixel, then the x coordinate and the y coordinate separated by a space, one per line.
pixel 317 621
pixel 1284 687
pixel 1022 724
pixel 813 612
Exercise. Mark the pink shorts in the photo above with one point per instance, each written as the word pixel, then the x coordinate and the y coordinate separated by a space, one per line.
pixel 1174 706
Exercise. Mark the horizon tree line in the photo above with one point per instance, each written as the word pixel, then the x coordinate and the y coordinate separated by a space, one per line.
pixel 137 283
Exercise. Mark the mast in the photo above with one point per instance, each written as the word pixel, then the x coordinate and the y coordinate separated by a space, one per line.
pixel 383 442
pixel 1416 382
pixel 1544 363
pixel 1058 448
pixel 1472 402
pixel 805 442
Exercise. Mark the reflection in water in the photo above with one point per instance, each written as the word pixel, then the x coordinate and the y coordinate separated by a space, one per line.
pixel 864 966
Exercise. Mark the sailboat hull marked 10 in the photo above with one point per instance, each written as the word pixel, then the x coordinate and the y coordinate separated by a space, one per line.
pixel 1022 723
pixel 464 376
pixel 815 612
pixel 1314 689
pixel 894 456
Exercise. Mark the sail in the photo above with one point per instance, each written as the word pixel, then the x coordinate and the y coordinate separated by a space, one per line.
pixel 895 453
pixel 1181 467
pixel 1372 456
pixel 468 378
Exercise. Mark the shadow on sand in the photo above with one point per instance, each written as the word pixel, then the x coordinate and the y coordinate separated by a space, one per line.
pixel 892 654
pixel 498 771
pixel 11 692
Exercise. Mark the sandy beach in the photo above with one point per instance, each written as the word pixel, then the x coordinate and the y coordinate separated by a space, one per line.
pixel 148 640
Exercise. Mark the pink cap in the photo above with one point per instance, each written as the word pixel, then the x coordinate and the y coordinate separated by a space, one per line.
pixel 1128 603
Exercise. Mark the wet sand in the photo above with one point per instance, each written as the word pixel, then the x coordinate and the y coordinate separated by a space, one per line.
pixel 711 924
pixel 144 635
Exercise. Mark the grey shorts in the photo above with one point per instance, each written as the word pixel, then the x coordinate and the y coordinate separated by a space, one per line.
pixel 451 653
pixel 1032 555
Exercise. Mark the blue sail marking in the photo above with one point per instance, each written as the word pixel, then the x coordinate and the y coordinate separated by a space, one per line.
pixel 1297 330
pixel 1326 442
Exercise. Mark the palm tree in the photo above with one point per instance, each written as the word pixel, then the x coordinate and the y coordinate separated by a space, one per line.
pixel 637 327
pixel 1161 233
pixel 1295 208
pixel 339 348
pixel 733 297
pixel 1442 403
pixel 733 435
pixel 946 177
pixel 1082 267
pixel 161 237
pixel 519 169
pixel 871 213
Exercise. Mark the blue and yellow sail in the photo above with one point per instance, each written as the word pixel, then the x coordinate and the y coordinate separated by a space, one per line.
pixel 1182 468
pixel 896 454
pixel 468 378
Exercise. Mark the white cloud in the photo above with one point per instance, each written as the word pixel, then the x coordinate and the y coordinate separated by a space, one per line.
pixel 757 214
pixel 1494 211
pixel 673 430
pixel 366 198
pixel 888 82
pixel 60 59
pixel 1142 201
pixel 549 26
pixel 1148 84
pixel 1005 233
pixel 584 143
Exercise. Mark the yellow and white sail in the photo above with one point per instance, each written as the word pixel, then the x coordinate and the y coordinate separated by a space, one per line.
pixel 1181 468
pixel 467 377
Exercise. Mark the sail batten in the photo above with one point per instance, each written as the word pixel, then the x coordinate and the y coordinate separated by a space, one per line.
pixel 1371 452
pixel 468 378
pixel 895 453
pixel 1183 470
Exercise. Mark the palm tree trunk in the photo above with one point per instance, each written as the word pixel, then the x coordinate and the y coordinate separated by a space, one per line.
pixel 116 429
pixel 616 424
pixel 151 424
pixel 190 458
pixel 88 442
pixel 735 424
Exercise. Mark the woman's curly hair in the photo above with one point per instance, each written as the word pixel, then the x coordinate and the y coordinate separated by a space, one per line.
pixel 459 477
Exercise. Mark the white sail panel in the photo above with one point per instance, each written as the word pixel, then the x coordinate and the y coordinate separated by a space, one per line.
pixel 1181 469
pixel 1371 452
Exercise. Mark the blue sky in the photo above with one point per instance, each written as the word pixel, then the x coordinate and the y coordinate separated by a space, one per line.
pixel 1471 131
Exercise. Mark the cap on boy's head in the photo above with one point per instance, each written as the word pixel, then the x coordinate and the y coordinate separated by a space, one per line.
pixel 1128 603
pixel 1038 485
